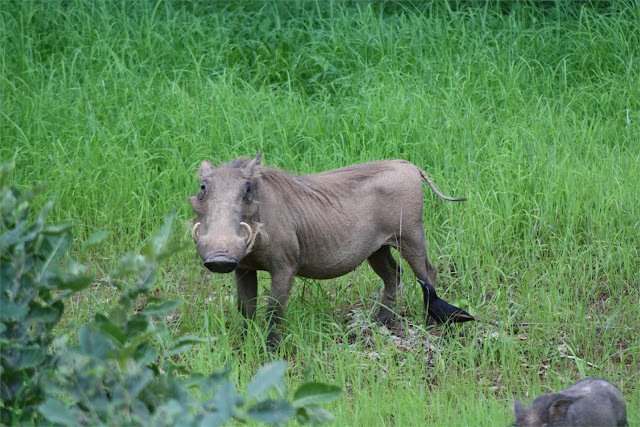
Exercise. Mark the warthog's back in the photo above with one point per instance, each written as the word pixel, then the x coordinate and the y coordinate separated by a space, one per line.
pixel 598 402
pixel 356 209
pixel 399 176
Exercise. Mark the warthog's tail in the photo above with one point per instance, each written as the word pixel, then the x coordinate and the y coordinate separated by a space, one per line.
pixel 435 189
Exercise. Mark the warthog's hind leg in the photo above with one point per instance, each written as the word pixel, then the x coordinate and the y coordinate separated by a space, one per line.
pixel 389 271
pixel 414 251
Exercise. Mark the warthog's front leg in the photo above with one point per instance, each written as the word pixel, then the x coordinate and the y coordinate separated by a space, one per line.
pixel 281 282
pixel 247 288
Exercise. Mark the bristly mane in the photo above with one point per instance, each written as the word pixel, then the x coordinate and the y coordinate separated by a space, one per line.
pixel 239 162
pixel 298 188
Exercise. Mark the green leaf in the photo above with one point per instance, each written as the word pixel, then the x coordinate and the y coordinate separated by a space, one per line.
pixel 271 411
pixel 29 357
pixel 130 264
pixel 8 272
pixel 93 342
pixel 193 339
pixel 303 415
pixel 169 413
pixel 213 419
pixel 93 240
pixel 145 355
pixel 315 415
pixel 105 325
pixel 137 326
pixel 213 382
pixel 223 404
pixel 267 376
pixel 44 315
pixel 183 344
pixel 142 288
pixel 56 412
pixel 148 281
pixel 162 244
pixel 11 311
pixel 76 282
pixel 37 227
pixel 140 412
pixel 137 348
pixel 136 384
pixel 163 309
pixel 53 248
pixel 118 316
pixel 58 229
pixel 315 393
pixel 13 237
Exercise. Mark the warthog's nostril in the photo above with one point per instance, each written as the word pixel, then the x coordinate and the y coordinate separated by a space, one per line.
pixel 221 263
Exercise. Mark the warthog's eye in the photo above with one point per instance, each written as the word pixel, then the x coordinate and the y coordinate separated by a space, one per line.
pixel 247 192
pixel 203 190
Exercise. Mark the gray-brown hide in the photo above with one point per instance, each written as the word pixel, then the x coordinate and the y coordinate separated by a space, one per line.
pixel 589 402
pixel 250 217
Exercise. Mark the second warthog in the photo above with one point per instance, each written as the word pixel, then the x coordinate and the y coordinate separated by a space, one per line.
pixel 589 402
pixel 251 217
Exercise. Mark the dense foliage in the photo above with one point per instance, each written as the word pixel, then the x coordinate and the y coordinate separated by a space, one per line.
pixel 33 290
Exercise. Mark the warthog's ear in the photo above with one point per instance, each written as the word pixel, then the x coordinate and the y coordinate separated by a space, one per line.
pixel 205 168
pixel 558 409
pixel 518 410
pixel 248 170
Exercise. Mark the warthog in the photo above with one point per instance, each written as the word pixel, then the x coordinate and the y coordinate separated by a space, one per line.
pixel 251 217
pixel 589 402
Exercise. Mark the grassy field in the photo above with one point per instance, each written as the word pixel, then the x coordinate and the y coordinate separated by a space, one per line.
pixel 531 112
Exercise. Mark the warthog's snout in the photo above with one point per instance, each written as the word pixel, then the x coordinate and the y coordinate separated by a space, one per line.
pixel 221 262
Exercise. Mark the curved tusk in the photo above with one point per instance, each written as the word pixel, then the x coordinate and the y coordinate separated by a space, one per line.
pixel 250 230
pixel 194 232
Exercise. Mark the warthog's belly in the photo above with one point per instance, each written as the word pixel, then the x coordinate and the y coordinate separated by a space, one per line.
pixel 339 263
pixel 326 273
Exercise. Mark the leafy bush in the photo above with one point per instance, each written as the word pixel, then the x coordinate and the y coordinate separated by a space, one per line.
pixel 32 294
pixel 122 368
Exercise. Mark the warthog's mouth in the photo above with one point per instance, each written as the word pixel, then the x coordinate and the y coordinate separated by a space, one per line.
pixel 221 262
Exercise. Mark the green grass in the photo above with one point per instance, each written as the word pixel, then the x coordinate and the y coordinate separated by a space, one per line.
pixel 532 112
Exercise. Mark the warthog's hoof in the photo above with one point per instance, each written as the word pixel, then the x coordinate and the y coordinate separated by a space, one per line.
pixel 385 316
pixel 273 341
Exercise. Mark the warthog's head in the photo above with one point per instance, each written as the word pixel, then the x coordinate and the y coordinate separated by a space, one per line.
pixel 224 230
pixel 546 410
